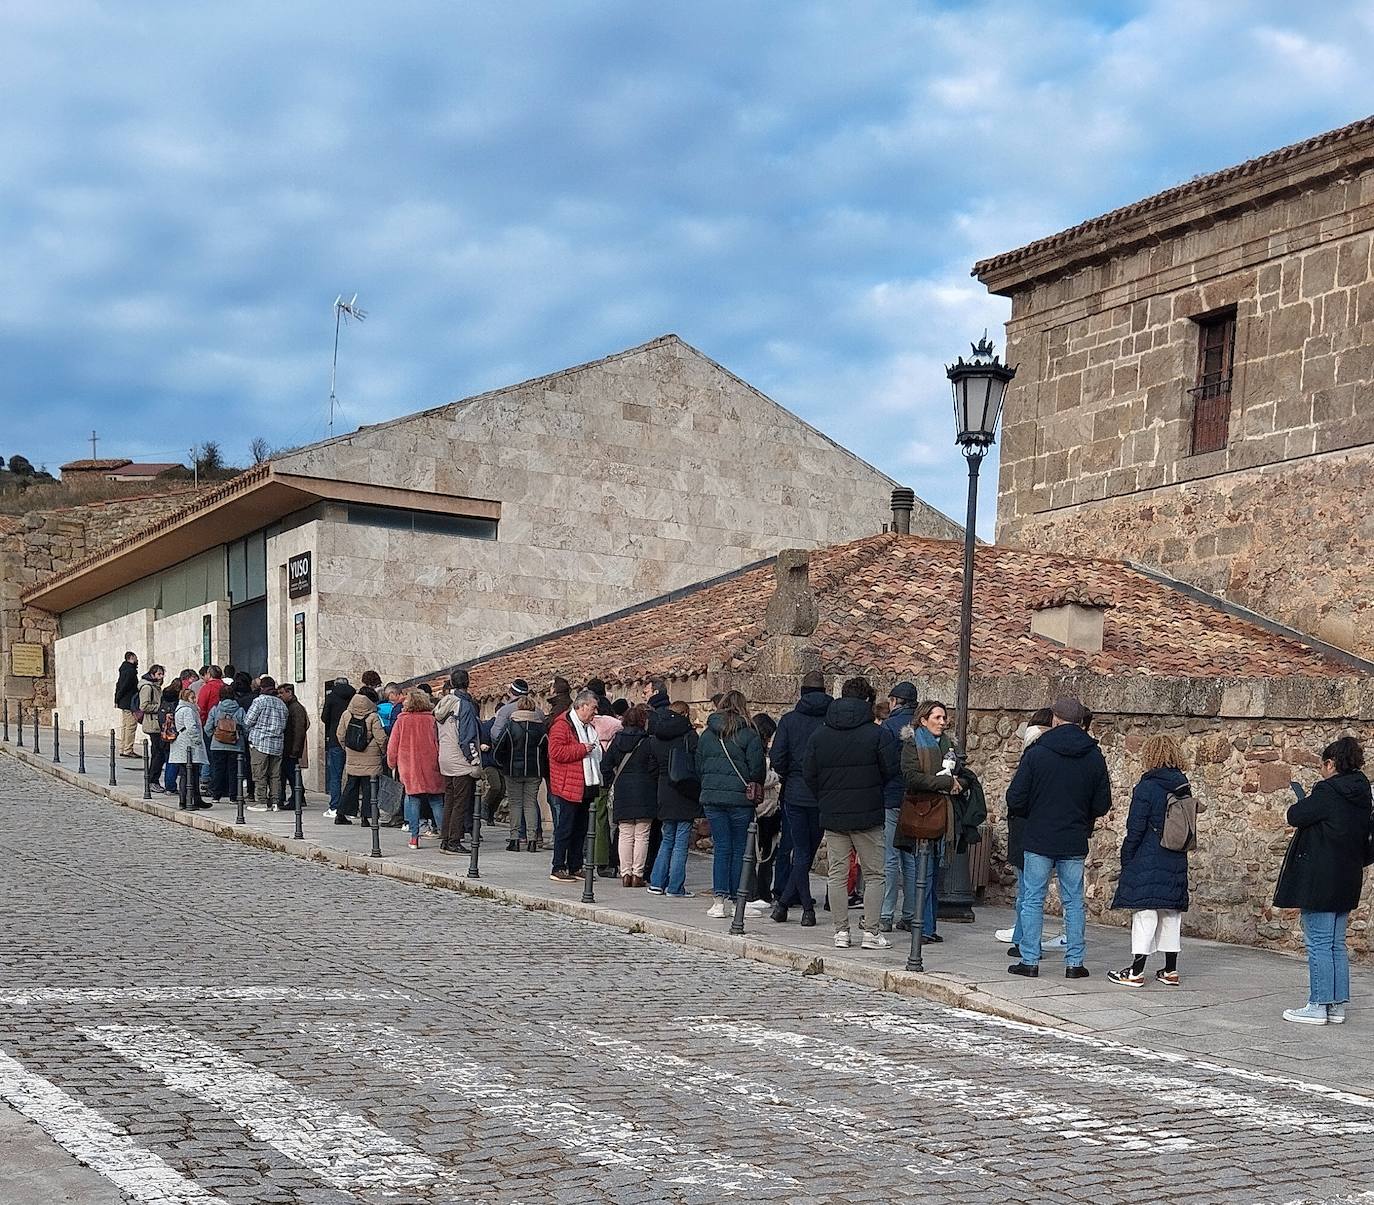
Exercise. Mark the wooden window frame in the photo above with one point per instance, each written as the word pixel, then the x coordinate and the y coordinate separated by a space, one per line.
pixel 1211 391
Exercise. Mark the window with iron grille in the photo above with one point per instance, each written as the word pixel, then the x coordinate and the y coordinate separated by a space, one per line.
pixel 1216 350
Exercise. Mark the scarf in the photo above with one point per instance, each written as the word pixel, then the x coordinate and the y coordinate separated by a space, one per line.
pixel 591 764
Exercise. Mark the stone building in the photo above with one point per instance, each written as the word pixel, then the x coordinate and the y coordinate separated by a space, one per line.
pixel 1253 704
pixel 457 530
pixel 1194 384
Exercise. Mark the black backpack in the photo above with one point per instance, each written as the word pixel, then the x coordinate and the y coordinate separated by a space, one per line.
pixel 682 770
pixel 356 735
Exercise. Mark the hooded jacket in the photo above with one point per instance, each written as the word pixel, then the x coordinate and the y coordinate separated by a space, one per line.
pixel 335 704
pixel 460 736
pixel 297 725
pixel 847 765
pixel 671 731
pixel 190 737
pixel 721 785
pixel 628 766
pixel 1323 870
pixel 1016 825
pixel 126 686
pixel 149 700
pixel 522 749
pixel 1060 788
pixel 362 763
pixel 1152 876
pixel 789 746
pixel 895 788
pixel 227 706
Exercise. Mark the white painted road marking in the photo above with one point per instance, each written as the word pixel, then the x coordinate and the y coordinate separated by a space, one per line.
pixel 187 994
pixel 590 1134
pixel 343 1149
pixel 90 1139
pixel 1030 1108
pixel 1236 1108
pixel 738 1093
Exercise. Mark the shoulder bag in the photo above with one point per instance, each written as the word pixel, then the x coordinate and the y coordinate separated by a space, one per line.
pixel 753 791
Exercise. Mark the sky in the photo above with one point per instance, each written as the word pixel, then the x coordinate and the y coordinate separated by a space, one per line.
pixel 797 188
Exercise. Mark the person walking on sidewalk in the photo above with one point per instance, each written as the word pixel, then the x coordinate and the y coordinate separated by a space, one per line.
pixel 412 750
pixel 633 781
pixel 848 762
pixel 362 740
pixel 460 760
pixel 1154 880
pixel 1061 789
pixel 730 768
pixel 800 812
pixel 126 701
pixel 575 778
pixel 266 722
pixel 673 756
pixel 1323 874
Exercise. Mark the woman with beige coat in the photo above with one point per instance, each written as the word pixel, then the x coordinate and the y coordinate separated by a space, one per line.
pixel 363 739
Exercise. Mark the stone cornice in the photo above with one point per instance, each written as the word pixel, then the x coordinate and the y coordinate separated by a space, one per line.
pixel 1198 202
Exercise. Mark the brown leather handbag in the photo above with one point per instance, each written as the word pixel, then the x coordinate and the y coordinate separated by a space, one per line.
pixel 924 816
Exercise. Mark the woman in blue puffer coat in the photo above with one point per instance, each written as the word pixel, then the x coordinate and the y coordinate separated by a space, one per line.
pixel 1154 880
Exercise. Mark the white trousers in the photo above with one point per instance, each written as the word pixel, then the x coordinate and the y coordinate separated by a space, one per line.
pixel 1153 931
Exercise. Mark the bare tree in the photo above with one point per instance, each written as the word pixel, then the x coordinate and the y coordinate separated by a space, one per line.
pixel 260 450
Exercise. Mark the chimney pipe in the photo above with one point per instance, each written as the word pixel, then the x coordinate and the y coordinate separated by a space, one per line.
pixel 903 503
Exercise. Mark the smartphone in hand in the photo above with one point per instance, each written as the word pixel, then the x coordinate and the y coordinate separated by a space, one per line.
pixel 1297 790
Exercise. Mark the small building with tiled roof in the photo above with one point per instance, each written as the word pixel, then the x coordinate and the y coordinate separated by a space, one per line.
pixel 115 469
pixel 1252 701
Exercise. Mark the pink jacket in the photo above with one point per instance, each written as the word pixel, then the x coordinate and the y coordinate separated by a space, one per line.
pixel 606 727
pixel 413 749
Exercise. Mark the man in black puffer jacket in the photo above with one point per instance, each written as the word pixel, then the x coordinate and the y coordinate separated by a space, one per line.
pixel 800 814
pixel 1061 788
pixel 848 762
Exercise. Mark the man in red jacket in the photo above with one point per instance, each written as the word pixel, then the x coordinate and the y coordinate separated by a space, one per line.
pixel 574 778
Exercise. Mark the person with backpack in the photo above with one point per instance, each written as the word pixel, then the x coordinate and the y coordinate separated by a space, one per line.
pixel 522 753
pixel 1154 876
pixel 225 732
pixel 731 767
pixel 412 750
pixel 337 695
pixel 361 737
pixel 633 779
pixel 673 758
pixel 1323 875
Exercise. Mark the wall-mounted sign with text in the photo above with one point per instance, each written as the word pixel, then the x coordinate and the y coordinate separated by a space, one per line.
pixel 26 660
pixel 298 576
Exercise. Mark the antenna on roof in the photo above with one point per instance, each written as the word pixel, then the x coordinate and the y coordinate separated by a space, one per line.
pixel 343 310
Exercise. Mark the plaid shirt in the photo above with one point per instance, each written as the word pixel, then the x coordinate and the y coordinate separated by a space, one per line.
pixel 266 722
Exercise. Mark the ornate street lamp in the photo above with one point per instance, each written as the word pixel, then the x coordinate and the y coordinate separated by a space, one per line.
pixel 979 386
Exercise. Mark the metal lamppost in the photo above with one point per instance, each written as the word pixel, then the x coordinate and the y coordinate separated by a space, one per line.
pixel 979 386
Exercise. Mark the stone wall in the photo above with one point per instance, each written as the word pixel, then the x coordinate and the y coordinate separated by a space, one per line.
pixel 177 639
pixel 1097 444
pixel 90 668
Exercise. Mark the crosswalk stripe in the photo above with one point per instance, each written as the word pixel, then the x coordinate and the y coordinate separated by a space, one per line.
pixel 192 994
pixel 343 1149
pixel 590 1134
pixel 1237 1108
pixel 739 1093
pixel 93 1140
pixel 1030 1108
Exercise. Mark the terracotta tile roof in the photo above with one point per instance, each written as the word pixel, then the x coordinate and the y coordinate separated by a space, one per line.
pixel 151 469
pixel 890 604
pixel 1214 182
pixel 80 465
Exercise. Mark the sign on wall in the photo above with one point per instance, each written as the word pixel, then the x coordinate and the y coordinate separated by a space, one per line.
pixel 26 660
pixel 299 645
pixel 298 576
pixel 205 640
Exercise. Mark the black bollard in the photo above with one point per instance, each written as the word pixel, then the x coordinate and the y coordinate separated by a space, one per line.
pixel 588 856
pixel 81 746
pixel 243 786
pixel 298 798
pixel 56 742
pixel 747 872
pixel 376 820
pixel 113 781
pixel 187 768
pixel 5 709
pixel 473 872
pixel 147 759
pixel 21 725
pixel 918 921
pixel 36 749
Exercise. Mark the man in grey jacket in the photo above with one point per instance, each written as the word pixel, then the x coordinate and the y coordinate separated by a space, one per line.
pixel 460 759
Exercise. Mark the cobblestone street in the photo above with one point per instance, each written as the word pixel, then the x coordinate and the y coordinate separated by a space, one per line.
pixel 197 1020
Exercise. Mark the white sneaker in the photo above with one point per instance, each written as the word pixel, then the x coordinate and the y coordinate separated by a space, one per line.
pixel 1004 936
pixel 757 908
pixel 329 813
pixel 257 807
pixel 1057 944
pixel 842 939
pixel 717 910
pixel 875 941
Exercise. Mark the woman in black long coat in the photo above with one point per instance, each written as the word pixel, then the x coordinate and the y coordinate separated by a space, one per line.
pixel 1323 873
pixel 1154 880
pixel 630 770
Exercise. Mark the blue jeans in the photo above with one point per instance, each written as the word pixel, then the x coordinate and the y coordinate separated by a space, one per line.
pixel 729 829
pixel 1020 898
pixel 900 868
pixel 1328 962
pixel 670 867
pixel 1036 880
pixel 333 774
pixel 436 807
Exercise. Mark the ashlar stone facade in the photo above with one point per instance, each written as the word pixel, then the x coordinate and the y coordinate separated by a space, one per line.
pixel 1099 448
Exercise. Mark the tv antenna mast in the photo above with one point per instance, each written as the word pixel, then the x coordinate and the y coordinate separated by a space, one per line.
pixel 343 311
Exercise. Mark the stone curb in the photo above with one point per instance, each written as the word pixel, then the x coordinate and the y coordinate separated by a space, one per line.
pixel 939 987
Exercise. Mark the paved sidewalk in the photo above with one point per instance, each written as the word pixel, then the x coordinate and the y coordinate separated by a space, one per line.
pixel 1227 1008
